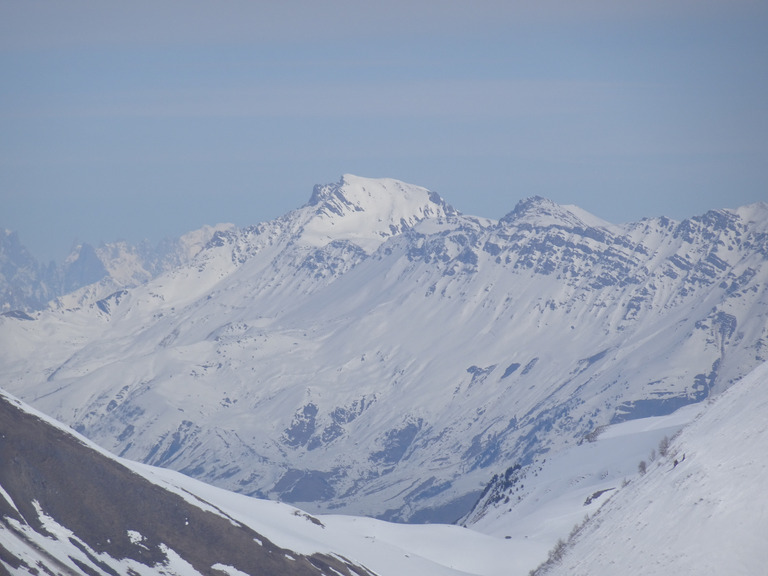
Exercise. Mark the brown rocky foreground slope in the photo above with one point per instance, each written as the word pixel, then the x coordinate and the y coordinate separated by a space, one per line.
pixel 119 521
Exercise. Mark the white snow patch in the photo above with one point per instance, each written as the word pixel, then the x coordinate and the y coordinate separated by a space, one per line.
pixel 8 498
pixel 229 570
pixel 175 564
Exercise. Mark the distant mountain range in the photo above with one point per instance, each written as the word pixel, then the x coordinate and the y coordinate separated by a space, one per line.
pixel 376 352
pixel 27 285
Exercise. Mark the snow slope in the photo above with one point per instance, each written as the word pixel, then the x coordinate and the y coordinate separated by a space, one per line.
pixel 706 515
pixel 537 504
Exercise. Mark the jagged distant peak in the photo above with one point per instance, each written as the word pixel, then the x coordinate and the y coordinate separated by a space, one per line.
pixel 82 253
pixel 193 242
pixel 9 241
pixel 542 212
pixel 367 211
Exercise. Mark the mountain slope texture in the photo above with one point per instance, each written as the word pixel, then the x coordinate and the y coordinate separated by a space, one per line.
pixel 376 352
pixel 700 510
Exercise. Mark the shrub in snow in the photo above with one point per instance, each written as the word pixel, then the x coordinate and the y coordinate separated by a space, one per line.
pixel 555 557
pixel 664 446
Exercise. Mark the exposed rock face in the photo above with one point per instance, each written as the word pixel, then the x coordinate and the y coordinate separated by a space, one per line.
pixel 24 284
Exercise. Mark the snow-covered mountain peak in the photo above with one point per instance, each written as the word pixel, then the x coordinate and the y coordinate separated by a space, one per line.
pixel 541 212
pixel 756 213
pixel 367 211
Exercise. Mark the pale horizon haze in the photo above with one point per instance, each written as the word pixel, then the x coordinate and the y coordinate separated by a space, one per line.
pixel 146 120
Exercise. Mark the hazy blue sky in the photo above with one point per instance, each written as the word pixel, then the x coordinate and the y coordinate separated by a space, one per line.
pixel 149 119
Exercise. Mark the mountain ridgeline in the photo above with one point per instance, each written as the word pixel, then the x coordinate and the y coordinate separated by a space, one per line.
pixel 377 352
